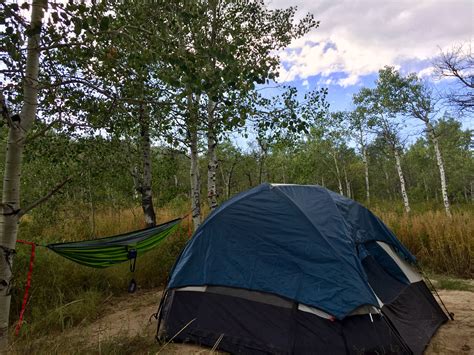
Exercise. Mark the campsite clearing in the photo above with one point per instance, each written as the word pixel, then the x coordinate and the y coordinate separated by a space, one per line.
pixel 125 328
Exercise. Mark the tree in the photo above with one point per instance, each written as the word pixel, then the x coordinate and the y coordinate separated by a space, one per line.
pixel 458 63
pixel 358 121
pixel 419 103
pixel 384 104
pixel 18 126
pixel 33 76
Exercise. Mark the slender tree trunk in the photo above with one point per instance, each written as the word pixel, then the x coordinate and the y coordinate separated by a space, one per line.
pixel 403 190
pixel 263 157
pixel 366 170
pixel 387 182
pixel 338 174
pixel 425 187
pixel 212 164
pixel 439 162
pixel 12 171
pixel 92 205
pixel 194 170
pixel 249 176
pixel 472 191
pixel 348 184
pixel 227 178
pixel 145 188
pixel 365 161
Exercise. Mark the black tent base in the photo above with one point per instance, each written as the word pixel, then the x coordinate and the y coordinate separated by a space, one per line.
pixel 243 326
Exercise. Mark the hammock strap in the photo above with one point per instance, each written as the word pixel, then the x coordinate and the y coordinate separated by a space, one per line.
pixel 132 256
pixel 28 284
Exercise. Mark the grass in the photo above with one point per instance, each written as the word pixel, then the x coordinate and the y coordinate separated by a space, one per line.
pixel 65 294
pixel 441 244
pixel 454 284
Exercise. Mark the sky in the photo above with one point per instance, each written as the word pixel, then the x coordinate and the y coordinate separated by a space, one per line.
pixel 356 38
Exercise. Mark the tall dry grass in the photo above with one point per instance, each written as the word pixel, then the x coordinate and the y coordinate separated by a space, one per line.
pixel 65 294
pixel 440 243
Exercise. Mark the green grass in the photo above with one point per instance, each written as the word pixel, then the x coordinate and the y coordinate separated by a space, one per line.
pixel 448 283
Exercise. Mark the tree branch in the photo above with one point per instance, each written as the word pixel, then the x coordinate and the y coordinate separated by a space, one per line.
pixel 45 198
pixel 4 110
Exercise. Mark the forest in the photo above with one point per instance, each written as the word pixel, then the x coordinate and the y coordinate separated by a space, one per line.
pixel 119 117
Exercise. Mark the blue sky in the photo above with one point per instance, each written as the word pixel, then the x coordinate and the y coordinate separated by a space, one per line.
pixel 358 37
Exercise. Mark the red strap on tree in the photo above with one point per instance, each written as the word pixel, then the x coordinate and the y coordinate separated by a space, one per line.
pixel 28 284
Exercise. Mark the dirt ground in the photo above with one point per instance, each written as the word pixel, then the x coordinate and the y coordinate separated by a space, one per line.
pixel 130 317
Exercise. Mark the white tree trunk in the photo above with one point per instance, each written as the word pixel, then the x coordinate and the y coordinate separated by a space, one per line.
pixel 398 164
pixel 145 188
pixel 194 169
pixel 12 173
pixel 348 183
pixel 338 174
pixel 439 162
pixel 212 164
pixel 365 161
pixel 366 170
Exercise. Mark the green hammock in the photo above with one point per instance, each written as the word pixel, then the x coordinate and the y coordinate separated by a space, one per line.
pixel 105 252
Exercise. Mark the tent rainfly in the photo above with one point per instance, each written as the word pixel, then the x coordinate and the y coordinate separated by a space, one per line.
pixel 293 269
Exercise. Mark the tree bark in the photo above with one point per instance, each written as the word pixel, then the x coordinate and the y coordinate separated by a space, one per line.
pixel 366 171
pixel 193 109
pixel 227 178
pixel 403 190
pixel 212 164
pixel 145 188
pixel 338 174
pixel 348 184
pixel 387 182
pixel 439 162
pixel 472 191
pixel 261 163
pixel 12 171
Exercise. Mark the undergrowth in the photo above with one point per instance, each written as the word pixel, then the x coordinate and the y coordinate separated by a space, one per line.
pixel 65 294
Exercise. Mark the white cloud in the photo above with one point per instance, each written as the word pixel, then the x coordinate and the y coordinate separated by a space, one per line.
pixel 359 37
pixel 426 72
pixel 305 84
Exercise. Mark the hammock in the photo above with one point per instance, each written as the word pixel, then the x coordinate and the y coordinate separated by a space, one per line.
pixel 105 252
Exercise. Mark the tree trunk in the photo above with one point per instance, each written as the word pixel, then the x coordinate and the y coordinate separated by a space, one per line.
pixel 12 173
pixel 387 182
pixel 249 176
pixel 366 170
pixel 425 187
pixel 472 191
pixel 212 164
pixel 348 184
pixel 406 203
pixel 439 162
pixel 263 157
pixel 338 174
pixel 145 188
pixel 228 178
pixel 194 170
pixel 92 205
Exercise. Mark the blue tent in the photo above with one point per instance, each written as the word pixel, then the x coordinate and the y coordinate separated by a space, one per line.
pixel 304 244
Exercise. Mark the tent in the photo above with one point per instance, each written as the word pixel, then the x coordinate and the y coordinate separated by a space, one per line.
pixel 294 269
